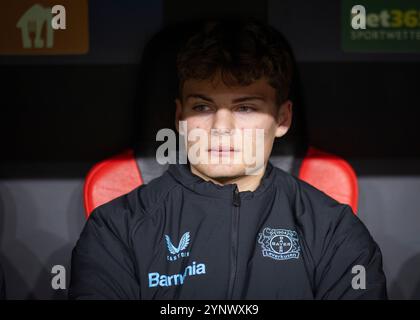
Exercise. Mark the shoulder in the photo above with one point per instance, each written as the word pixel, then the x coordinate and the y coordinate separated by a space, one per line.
pixel 124 212
pixel 308 201
pixel 322 221
pixel 304 195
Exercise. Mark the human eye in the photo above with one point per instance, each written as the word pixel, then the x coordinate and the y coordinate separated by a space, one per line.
pixel 201 108
pixel 245 108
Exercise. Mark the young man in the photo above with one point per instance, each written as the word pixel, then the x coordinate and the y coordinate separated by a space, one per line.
pixel 228 229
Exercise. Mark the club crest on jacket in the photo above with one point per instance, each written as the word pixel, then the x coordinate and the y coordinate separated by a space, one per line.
pixel 279 244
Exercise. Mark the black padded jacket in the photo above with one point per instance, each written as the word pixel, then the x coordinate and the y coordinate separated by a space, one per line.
pixel 181 237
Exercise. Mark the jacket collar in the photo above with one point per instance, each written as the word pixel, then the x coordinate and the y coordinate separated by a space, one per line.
pixel 183 175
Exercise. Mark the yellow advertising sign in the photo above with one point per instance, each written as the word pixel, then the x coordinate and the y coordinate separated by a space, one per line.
pixel 26 27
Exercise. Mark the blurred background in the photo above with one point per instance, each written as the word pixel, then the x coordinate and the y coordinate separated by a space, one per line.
pixel 108 81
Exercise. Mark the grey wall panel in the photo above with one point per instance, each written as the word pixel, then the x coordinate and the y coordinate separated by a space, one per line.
pixel 40 221
pixel 390 208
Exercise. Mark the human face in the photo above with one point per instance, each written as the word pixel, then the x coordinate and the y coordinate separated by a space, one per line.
pixel 224 112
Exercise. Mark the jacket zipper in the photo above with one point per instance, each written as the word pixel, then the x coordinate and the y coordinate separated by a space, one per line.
pixel 236 201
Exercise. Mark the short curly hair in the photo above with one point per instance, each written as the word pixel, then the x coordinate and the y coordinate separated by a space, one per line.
pixel 243 51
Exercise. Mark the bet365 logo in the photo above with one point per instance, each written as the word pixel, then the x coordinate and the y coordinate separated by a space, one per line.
pixel 384 18
pixel 380 26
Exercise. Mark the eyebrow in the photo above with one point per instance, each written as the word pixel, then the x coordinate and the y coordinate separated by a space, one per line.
pixel 198 96
pixel 240 99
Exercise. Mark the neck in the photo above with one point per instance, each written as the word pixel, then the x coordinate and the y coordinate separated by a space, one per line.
pixel 244 182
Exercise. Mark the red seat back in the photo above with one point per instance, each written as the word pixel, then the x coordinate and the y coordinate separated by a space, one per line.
pixel 110 179
pixel 332 175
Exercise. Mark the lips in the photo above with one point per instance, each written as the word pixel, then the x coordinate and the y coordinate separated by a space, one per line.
pixel 222 149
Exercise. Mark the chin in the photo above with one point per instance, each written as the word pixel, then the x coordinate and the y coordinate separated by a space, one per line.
pixel 216 171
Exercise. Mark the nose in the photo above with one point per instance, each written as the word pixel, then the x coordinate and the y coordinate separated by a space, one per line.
pixel 223 122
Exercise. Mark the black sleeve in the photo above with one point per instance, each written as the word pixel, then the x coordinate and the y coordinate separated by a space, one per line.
pixel 351 245
pixel 102 264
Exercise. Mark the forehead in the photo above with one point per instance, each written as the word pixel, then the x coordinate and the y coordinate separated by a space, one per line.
pixel 217 89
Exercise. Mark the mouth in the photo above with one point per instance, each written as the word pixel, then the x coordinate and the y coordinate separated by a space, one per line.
pixel 221 150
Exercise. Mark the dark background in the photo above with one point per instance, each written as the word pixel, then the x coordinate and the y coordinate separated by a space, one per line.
pixel 62 114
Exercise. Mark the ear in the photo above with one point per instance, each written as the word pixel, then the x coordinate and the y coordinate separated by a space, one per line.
pixel 178 113
pixel 284 118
